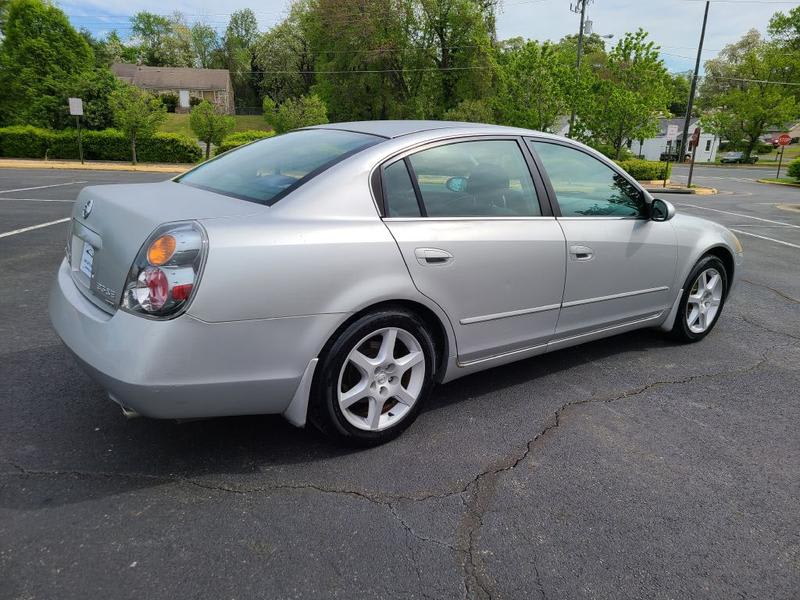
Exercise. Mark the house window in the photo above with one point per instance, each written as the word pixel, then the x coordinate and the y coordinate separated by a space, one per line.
pixel 708 145
pixel 220 96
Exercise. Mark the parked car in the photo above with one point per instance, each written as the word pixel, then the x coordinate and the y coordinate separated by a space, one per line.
pixel 673 157
pixel 335 274
pixel 738 157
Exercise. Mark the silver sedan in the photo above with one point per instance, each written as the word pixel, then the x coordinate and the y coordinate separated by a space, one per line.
pixel 334 274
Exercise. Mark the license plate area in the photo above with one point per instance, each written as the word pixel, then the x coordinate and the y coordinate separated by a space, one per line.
pixel 87 259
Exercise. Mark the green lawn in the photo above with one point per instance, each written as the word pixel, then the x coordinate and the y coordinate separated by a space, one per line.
pixel 784 180
pixel 179 123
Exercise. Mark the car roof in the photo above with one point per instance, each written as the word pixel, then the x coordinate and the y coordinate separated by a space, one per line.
pixel 395 129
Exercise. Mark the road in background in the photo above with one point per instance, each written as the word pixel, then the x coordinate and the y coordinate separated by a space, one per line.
pixel 626 468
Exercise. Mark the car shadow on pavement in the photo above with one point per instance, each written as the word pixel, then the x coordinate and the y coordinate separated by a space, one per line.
pixel 69 443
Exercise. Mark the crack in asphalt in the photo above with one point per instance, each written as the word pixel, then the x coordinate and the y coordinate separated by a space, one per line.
pixel 480 490
pixel 780 293
pixel 764 327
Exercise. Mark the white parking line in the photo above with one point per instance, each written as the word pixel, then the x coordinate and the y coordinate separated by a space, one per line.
pixel 35 200
pixel 41 187
pixel 40 225
pixel 741 215
pixel 763 237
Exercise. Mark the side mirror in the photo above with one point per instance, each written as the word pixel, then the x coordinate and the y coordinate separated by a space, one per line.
pixel 456 184
pixel 661 210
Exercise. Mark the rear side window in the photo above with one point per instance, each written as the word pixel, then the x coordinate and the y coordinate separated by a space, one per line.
pixel 267 170
pixel 475 179
pixel 401 200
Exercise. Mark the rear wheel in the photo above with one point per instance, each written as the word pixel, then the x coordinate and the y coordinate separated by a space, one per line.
pixel 373 378
pixel 702 301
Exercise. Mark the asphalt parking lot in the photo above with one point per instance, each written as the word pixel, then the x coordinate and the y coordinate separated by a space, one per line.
pixel 626 468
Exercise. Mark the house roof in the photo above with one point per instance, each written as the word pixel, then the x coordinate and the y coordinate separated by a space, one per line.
pixel 679 121
pixel 172 78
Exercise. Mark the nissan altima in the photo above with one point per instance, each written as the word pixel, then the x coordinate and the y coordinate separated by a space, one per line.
pixel 336 273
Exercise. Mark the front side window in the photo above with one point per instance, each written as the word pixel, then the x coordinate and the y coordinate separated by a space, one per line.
pixel 586 187
pixel 468 179
pixel 267 170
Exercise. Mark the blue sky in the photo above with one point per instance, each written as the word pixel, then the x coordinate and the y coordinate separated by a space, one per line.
pixel 673 24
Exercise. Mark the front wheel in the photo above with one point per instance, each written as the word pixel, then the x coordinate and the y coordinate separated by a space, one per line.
pixel 702 301
pixel 372 378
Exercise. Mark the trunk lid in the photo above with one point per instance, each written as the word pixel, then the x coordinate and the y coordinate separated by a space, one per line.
pixel 110 223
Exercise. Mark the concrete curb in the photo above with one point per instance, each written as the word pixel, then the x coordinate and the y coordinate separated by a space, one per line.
pixel 699 191
pixel 13 163
pixel 777 183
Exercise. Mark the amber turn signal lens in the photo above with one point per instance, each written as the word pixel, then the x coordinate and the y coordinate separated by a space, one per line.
pixel 161 250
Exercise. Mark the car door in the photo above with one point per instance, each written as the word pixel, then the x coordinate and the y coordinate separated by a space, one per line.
pixel 479 238
pixel 620 264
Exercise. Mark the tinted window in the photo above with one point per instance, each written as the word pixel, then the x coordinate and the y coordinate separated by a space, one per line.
pixel 475 179
pixel 399 195
pixel 265 171
pixel 585 187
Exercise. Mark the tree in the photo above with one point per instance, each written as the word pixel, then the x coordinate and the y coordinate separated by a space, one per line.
pixel 209 125
pixel 284 56
pixel 679 87
pixel 206 45
pixel 533 80
pixel 40 54
pixel 239 48
pixel 163 41
pixel 785 28
pixel 742 91
pixel 627 94
pixel 292 114
pixel 137 113
pixel 471 111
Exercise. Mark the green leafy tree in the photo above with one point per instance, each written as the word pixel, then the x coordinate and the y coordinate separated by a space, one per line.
pixel 39 55
pixel 742 91
pixel 471 111
pixel 163 41
pixel 679 86
pixel 285 58
pixel 206 45
pixel 239 46
pixel 784 28
pixel 136 113
pixel 295 113
pixel 209 125
pixel 534 76
pixel 627 94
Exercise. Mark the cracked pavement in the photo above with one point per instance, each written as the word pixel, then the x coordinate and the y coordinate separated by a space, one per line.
pixel 626 468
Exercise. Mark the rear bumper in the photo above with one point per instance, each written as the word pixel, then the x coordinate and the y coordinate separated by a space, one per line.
pixel 188 368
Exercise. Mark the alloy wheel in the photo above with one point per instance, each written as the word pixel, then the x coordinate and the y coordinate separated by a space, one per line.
pixel 381 379
pixel 704 300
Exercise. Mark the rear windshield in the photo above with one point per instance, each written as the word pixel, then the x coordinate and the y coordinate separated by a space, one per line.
pixel 267 170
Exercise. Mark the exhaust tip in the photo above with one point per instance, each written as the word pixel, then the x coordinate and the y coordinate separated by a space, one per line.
pixel 129 413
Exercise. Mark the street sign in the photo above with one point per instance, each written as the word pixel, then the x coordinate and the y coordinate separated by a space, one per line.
pixel 696 137
pixel 75 107
pixel 785 139
pixel 672 133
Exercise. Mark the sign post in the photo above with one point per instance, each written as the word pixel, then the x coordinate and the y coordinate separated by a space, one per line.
pixel 76 109
pixel 672 135
pixel 695 142
pixel 784 140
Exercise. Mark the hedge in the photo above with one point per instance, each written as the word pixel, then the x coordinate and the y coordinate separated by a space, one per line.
pixel 794 169
pixel 645 170
pixel 109 144
pixel 240 138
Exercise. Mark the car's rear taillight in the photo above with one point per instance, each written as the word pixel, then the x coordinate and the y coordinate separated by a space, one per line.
pixel 165 274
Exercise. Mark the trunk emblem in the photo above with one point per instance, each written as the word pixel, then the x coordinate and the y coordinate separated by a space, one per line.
pixel 87 208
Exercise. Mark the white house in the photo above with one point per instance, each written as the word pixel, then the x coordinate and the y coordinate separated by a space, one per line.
pixel 652 148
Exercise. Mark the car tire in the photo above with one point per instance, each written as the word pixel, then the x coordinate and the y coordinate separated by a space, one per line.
pixel 702 300
pixel 373 378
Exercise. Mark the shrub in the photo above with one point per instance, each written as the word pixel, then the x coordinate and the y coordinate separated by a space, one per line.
pixel 194 101
pixel 108 144
pixel 472 111
pixel 794 169
pixel 764 149
pixel 645 170
pixel 170 101
pixel 609 151
pixel 240 138
pixel 210 125
pixel 295 113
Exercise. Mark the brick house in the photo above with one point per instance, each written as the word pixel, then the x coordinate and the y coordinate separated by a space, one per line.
pixel 213 85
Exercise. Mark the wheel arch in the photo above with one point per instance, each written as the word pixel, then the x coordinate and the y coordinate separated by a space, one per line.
pixel 726 256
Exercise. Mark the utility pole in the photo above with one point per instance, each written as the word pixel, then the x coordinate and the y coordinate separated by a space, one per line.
pixel 578 7
pixel 693 87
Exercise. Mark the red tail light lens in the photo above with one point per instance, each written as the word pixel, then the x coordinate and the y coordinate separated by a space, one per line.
pixel 166 271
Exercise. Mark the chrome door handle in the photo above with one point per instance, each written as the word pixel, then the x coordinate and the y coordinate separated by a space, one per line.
pixel 432 256
pixel 581 253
